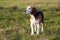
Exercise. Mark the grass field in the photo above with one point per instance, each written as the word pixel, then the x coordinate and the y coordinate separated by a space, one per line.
pixel 14 23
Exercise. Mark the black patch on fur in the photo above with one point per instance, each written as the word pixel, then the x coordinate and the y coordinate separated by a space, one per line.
pixel 37 14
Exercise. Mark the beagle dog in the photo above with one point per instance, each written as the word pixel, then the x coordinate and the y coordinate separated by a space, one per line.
pixel 36 18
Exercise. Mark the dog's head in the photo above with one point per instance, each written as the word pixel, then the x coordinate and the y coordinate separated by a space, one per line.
pixel 30 9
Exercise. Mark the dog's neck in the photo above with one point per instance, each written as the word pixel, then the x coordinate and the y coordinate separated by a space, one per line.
pixel 34 12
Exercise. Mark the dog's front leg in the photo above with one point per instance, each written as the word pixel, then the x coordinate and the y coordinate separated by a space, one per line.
pixel 32 30
pixel 38 29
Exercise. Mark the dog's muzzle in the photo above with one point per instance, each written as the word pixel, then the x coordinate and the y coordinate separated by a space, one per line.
pixel 28 11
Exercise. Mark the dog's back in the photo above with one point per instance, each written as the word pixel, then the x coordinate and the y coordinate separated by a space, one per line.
pixel 39 15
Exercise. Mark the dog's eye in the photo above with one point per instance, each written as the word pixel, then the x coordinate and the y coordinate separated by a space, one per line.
pixel 29 8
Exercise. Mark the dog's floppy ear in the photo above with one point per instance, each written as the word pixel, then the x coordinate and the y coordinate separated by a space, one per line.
pixel 34 9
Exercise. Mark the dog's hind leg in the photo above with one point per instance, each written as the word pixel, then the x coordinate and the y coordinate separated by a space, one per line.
pixel 42 27
pixel 35 27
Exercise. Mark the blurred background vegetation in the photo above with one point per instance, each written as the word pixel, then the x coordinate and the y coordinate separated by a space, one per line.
pixel 14 23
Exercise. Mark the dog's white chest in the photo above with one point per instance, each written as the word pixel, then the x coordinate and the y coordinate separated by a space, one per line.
pixel 33 20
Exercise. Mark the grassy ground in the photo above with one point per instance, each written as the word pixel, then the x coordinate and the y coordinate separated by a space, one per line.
pixel 14 23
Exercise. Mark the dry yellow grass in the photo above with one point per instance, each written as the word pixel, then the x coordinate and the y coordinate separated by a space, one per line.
pixel 28 2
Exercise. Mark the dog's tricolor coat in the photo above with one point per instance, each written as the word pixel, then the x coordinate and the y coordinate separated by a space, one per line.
pixel 36 18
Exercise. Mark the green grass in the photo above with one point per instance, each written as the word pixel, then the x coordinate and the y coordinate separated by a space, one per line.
pixel 14 23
